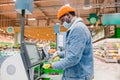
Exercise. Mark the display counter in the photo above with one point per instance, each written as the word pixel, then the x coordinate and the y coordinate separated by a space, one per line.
pixel 107 50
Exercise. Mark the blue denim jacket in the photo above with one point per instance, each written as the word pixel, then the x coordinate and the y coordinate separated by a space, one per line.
pixel 77 61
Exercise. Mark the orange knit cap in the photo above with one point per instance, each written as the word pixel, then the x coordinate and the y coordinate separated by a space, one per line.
pixel 63 10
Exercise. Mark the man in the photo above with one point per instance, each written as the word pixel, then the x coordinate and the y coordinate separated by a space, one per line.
pixel 77 61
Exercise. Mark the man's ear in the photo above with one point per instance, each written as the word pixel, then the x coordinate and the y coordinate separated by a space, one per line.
pixel 69 15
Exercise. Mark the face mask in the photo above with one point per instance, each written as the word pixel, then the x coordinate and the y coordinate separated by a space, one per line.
pixel 66 25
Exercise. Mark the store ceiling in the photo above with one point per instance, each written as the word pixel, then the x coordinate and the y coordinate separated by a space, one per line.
pixel 45 11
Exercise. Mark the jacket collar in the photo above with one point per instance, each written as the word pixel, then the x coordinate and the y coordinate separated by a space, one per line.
pixel 73 21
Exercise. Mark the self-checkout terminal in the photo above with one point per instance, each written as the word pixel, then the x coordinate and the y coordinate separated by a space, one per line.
pixel 22 66
pixel 28 66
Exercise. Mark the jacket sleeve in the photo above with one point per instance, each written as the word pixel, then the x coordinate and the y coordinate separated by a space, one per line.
pixel 76 45
pixel 61 54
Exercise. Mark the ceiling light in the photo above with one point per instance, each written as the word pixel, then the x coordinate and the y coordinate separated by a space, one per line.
pixel 67 4
pixel 87 7
pixel 14 0
pixel 91 26
pixel 31 19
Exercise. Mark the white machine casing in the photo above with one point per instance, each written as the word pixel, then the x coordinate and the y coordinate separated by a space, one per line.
pixel 13 69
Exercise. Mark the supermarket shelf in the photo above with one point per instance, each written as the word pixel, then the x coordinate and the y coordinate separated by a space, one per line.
pixel 107 60
pixel 99 57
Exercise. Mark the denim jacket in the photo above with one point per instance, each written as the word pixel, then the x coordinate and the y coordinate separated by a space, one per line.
pixel 77 61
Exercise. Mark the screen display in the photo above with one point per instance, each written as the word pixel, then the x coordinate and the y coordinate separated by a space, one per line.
pixel 33 53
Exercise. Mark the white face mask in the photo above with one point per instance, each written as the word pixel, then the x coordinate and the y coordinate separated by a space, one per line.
pixel 66 25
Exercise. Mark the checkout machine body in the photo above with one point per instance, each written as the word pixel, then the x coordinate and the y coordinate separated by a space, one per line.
pixel 15 67
pixel 12 68
pixel 18 66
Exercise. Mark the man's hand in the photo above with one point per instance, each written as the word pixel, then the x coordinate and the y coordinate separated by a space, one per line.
pixel 55 55
pixel 57 58
pixel 47 65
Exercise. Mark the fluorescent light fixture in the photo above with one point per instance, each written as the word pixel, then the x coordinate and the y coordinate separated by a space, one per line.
pixel 91 26
pixel 87 7
pixel 67 4
pixel 31 19
pixel 14 0
pixel 57 23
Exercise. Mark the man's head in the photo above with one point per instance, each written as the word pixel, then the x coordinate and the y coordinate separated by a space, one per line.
pixel 66 13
